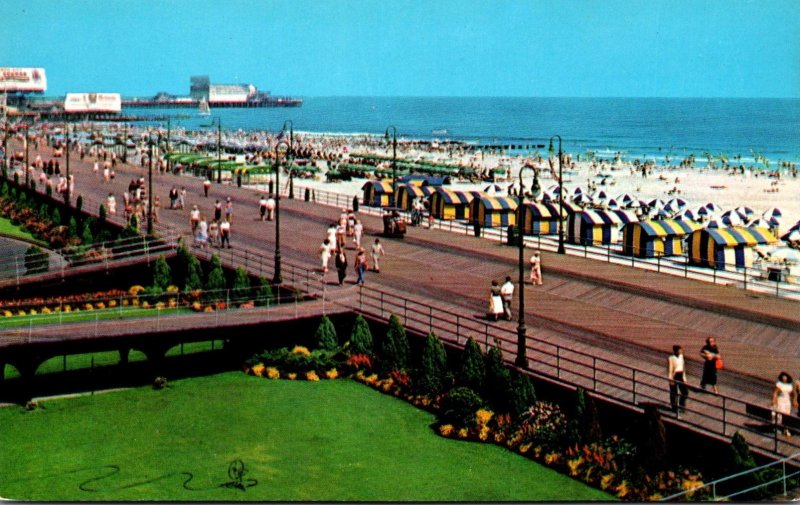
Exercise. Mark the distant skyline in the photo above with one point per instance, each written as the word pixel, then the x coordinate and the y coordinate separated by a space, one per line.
pixel 548 48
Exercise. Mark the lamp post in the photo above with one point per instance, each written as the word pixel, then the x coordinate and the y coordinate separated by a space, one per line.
pixel 219 150
pixel 277 279
pixel 290 155
pixel 66 152
pixel 152 141
pixel 168 149
pixel 394 162
pixel 561 249
pixel 27 164
pixel 522 360
pixel 125 144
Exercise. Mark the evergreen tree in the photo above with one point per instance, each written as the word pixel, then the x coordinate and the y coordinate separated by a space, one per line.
pixel 497 383
pixel 162 275
pixel 522 395
pixel 395 348
pixel 215 284
pixel 86 234
pixel 193 280
pixel 432 374
pixel 325 336
pixel 472 371
pixel 182 256
pixel 241 285
pixel 584 424
pixel 44 212
pixel 72 229
pixel 264 295
pixel 101 212
pixel 361 337
pixel 79 203
pixel 652 446
pixel 56 217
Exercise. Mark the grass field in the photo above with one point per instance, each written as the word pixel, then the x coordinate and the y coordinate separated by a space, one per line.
pixel 6 228
pixel 297 441
pixel 89 315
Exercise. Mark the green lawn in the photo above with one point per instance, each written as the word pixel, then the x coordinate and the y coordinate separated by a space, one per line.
pixel 6 228
pixel 89 315
pixel 299 441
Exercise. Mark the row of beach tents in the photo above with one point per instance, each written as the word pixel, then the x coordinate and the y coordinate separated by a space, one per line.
pixel 717 247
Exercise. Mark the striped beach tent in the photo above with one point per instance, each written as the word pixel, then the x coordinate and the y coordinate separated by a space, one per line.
pixel 449 204
pixel 493 211
pixel 650 239
pixel 626 216
pixel 593 227
pixel 408 192
pixel 722 248
pixel 378 193
pixel 540 218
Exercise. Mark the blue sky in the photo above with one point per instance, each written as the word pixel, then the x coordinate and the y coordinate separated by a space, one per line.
pixel 568 48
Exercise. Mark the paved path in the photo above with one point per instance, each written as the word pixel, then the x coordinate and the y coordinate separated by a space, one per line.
pixel 616 312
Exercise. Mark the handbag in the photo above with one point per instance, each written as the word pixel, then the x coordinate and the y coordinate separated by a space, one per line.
pixel 719 364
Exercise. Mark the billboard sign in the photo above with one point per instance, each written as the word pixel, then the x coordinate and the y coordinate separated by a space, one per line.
pixel 93 102
pixel 22 79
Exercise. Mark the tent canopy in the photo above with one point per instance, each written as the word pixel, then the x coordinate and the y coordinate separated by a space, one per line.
pixel 380 187
pixel 498 202
pixel 667 227
pixel 741 236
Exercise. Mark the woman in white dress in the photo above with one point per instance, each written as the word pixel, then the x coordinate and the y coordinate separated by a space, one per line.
pixel 783 399
pixel 495 302
pixel 325 254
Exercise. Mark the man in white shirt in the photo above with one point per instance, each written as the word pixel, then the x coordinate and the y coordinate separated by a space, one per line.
pixel 676 373
pixel 507 294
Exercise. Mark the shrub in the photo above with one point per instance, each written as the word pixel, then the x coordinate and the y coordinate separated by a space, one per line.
pixel 360 337
pixel 56 217
pixel 545 425
pixel 72 228
pixel 86 234
pixel 102 213
pixel 459 406
pixel 652 440
pixel 585 423
pixel 36 260
pixel 432 371
pixel 241 285
pixel 162 275
pixel 79 203
pixel 194 272
pixel 497 381
pixel 521 393
pixel 325 336
pixel 215 284
pixel 472 371
pixel 395 348
pixel 264 295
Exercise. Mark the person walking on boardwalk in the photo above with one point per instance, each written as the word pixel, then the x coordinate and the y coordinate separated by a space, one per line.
pixel 712 360
pixel 201 235
pixel 783 399
pixel 194 218
pixel 262 207
pixel 225 234
pixel 213 233
pixel 361 266
pixel 111 203
pixel 325 254
pixel 173 197
pixel 358 231
pixel 270 208
pixel 536 269
pixel 676 373
pixel 495 301
pixel 206 186
pixel 229 210
pixel 341 265
pixel 217 210
pixel 507 293
pixel 376 252
pixel 182 198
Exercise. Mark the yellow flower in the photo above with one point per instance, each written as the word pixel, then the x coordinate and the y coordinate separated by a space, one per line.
pixel 33 312
pixel 208 308
pixel 524 448
pixel 312 376
pixel 446 430
pixel 273 373
pixel 20 312
pixel 46 310
pixel 145 304
pixel 88 306
pixel 299 349
pixel 159 305
pixel 172 303
pixel 483 416
pixel 125 303
pixel 463 433
pixel 552 458
pixel 172 289
pixel 484 433
pixel 574 466
pixel 100 305
pixel 67 308
pixel 622 490
pixel 499 437
pixel 606 481
pixel 258 370
pixel 291 376
pixel 135 290
pixel 135 302
pixel 332 374
pixel 7 313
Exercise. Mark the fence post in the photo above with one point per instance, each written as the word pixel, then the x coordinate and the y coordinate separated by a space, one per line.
pixel 558 362
pixel 16 264
pixel 96 323
pixel 633 386
pixel 405 311
pixel 594 373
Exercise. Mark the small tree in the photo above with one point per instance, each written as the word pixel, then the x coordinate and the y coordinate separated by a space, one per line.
pixel 584 424
pixel 56 217
pixel 193 280
pixel 44 212
pixel 79 203
pixel 472 371
pixel 101 213
pixel 36 260
pixel 522 394
pixel 241 285
pixel 459 406
pixel 652 441
pixel 264 292
pixel 395 348
pixel 72 229
pixel 497 383
pixel 215 283
pixel 361 337
pixel 86 234
pixel 325 336
pixel 432 374
pixel 162 275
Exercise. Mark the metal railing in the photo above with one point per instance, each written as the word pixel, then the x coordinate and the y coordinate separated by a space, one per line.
pixel 783 478
pixel 719 415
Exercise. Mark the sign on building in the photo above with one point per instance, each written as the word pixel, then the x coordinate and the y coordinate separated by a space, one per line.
pixel 22 79
pixel 93 102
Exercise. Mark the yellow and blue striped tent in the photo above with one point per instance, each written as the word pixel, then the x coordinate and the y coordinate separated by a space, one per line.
pixel 407 192
pixel 593 227
pixel 721 248
pixel 626 216
pixel 649 239
pixel 378 193
pixel 449 204
pixel 540 218
pixel 492 211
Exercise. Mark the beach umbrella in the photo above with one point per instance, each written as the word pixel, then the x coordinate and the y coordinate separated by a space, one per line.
pixel 673 205
pixel 744 212
pixel 662 214
pixel 760 223
pixel 686 214
pixel 582 199
pixel 548 197
pixel 787 254
pixel 656 203
pixel 732 218
pixel 492 189
pixel 713 208
pixel 792 236
pixel 715 223
pixel 634 204
pixel 624 198
pixel 772 213
pixel 613 204
pixel 577 191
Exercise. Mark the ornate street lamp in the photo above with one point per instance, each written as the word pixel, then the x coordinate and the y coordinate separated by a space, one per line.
pixel 561 249
pixel 276 167
pixel 219 150
pixel 522 360
pixel 152 141
pixel 393 200
pixel 290 155
pixel 66 152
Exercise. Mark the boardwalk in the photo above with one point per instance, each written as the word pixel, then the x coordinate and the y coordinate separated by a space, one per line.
pixel 609 312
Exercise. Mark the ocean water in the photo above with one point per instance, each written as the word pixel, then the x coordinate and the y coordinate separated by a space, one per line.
pixel 640 128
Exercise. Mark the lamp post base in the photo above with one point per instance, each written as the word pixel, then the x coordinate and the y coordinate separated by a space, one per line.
pixel 521 360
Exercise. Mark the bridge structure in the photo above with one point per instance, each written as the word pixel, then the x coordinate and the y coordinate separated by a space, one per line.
pixel 598 325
